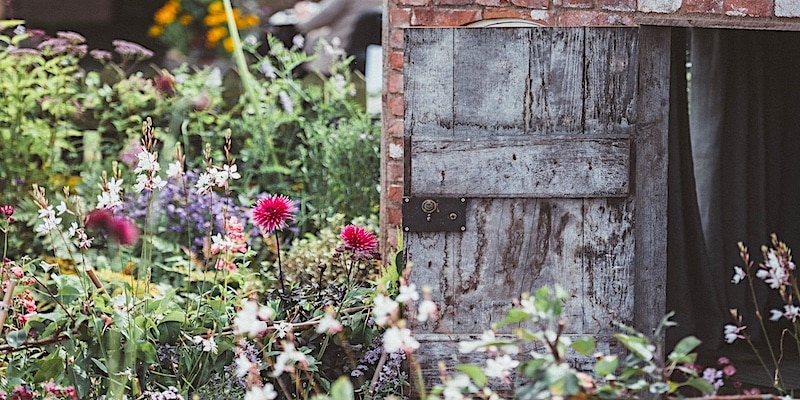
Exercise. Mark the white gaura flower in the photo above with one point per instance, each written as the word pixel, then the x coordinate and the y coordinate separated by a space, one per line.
pixel 500 367
pixel 247 320
pixel 733 332
pixel 488 339
pixel 775 314
pixel 209 345
pixel 174 169
pixel 328 324
pixel 455 387
pixel 243 365
pixel 384 309
pixel 426 310
pixel 147 162
pixel 395 339
pixel 738 274
pixel 49 220
pixel 266 392
pixel 283 328
pixel 288 358
pixel 407 293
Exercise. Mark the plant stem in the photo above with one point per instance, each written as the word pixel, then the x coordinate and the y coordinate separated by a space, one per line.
pixel 280 266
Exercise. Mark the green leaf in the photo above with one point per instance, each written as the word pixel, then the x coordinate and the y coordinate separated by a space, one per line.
pixel 584 345
pixel 474 372
pixel 16 338
pixel 342 389
pixel 514 316
pixel 637 345
pixel 659 388
pixel 684 347
pixel 701 384
pixel 606 366
pixel 49 368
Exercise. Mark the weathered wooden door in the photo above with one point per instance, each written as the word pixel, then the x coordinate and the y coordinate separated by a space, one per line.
pixel 537 156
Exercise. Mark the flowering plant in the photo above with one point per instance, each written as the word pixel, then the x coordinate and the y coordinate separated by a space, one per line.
pixel 188 25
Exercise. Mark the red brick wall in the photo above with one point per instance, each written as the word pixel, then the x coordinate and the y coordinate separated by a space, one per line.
pixel 420 13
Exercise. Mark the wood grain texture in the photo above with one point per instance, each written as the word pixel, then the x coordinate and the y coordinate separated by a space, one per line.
pixel 428 75
pixel 611 80
pixel 542 166
pixel 490 80
pixel 650 181
pixel 555 96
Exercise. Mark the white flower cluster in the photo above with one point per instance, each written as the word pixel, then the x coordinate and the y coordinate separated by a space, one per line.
pixel 147 172
pixel 216 176
pixel 49 221
pixel 111 195
pixel 251 320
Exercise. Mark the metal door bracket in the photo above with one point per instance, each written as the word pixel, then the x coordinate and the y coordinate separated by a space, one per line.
pixel 434 214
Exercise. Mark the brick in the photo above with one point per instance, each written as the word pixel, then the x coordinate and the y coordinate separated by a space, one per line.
pixel 530 3
pixel 594 18
pixel 395 215
pixel 787 8
pixel 396 60
pixel 659 6
pixel 396 105
pixel 397 39
pixel 400 17
pixel 395 83
pixel 616 5
pixel 704 6
pixel 395 128
pixel 491 2
pixel 394 193
pixel 414 2
pixel 453 2
pixel 444 17
pixel 506 12
pixel 577 3
pixel 748 8
pixel 394 171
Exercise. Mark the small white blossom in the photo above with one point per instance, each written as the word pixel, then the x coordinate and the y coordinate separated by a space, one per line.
pixel 384 309
pixel 282 329
pixel 247 320
pixel 454 388
pixel 174 169
pixel 267 392
pixel 209 345
pixel 285 361
pixel 732 332
pixel 61 208
pixel 329 324
pixel 49 220
pixel 500 367
pixel 776 314
pixel 488 340
pixel 407 293
pixel 738 274
pixel 395 339
pixel 147 162
pixel 298 41
pixel 243 365
pixel 426 310
pixel 204 181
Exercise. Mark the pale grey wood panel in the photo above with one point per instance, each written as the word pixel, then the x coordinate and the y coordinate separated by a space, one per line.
pixel 428 75
pixel 608 264
pixel 515 246
pixel 432 259
pixel 491 78
pixel 650 180
pixel 555 98
pixel 611 80
pixel 520 166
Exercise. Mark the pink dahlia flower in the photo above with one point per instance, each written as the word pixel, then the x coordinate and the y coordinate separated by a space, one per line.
pixel 358 239
pixel 120 229
pixel 271 213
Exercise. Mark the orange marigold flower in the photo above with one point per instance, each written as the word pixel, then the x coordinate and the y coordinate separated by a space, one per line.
pixel 185 19
pixel 216 8
pixel 228 44
pixel 155 31
pixel 214 35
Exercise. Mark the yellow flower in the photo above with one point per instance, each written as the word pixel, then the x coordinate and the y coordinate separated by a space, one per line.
pixel 216 8
pixel 155 31
pixel 214 35
pixel 228 44
pixel 166 14
pixel 214 19
pixel 185 19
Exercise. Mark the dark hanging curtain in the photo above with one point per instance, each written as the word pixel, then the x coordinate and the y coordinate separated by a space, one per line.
pixel 734 170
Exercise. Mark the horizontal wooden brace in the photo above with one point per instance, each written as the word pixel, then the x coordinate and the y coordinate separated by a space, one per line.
pixel 534 166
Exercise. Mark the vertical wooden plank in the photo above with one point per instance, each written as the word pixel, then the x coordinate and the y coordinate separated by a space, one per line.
pixel 611 80
pixel 432 259
pixel 428 74
pixel 491 77
pixel 554 102
pixel 650 181
pixel 608 264
pixel 515 246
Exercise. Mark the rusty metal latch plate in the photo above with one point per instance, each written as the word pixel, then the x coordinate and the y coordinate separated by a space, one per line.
pixel 434 214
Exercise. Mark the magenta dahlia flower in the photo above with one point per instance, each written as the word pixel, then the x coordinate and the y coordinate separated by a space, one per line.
pixel 120 229
pixel 358 239
pixel 271 213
